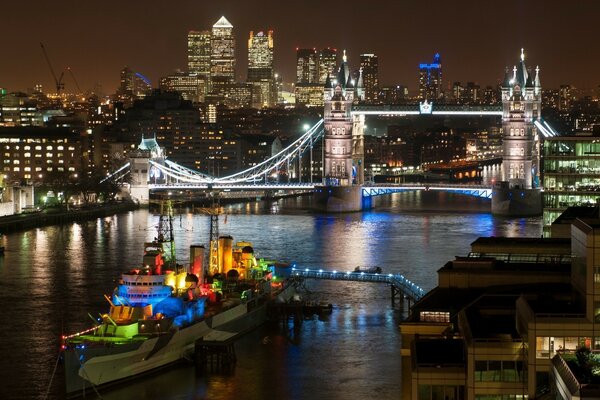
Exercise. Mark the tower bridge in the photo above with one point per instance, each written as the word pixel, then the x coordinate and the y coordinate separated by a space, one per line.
pixel 342 186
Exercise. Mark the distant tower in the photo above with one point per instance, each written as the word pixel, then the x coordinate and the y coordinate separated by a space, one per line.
pixel 260 69
pixel 518 193
pixel 199 51
pixel 338 98
pixel 307 66
pixel 521 106
pixel 369 65
pixel 222 61
pixel 343 146
pixel 430 79
pixel 327 64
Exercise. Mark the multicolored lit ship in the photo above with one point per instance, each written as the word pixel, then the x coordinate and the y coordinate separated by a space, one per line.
pixel 160 310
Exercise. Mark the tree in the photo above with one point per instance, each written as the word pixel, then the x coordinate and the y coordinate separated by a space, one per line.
pixel 64 184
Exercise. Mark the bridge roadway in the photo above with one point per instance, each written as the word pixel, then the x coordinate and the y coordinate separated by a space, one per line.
pixel 398 282
pixel 367 190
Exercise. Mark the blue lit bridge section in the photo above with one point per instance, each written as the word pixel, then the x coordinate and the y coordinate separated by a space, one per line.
pixel 398 283
pixel 469 190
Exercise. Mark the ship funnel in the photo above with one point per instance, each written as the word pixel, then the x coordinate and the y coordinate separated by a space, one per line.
pixel 197 261
pixel 225 253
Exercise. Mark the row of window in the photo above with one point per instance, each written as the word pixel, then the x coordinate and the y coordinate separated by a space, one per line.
pixel 516 171
pixel 500 371
pixel 39 148
pixel 37 169
pixel 143 283
pixel 547 346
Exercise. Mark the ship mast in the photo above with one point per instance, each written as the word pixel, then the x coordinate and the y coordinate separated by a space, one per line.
pixel 213 257
pixel 165 231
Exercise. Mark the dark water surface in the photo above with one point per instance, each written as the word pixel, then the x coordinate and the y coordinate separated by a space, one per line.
pixel 51 277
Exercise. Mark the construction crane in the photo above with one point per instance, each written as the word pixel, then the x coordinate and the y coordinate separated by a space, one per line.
pixel 74 80
pixel 57 81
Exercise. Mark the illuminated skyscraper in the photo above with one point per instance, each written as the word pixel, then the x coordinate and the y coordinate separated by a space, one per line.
pixel 430 79
pixel 369 65
pixel 327 64
pixel 222 61
pixel 260 69
pixel 307 66
pixel 199 50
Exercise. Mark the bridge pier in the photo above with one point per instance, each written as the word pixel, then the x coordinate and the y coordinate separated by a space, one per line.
pixel 513 202
pixel 338 199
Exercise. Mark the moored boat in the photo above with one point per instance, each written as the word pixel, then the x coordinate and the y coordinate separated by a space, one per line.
pixel 160 310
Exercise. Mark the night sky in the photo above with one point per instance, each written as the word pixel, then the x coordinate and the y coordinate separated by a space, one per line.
pixel 476 39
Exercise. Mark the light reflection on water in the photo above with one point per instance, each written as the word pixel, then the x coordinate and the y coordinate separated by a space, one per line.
pixel 51 277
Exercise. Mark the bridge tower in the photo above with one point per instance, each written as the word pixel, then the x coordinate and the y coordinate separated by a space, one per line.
pixel 139 163
pixel 342 151
pixel 518 194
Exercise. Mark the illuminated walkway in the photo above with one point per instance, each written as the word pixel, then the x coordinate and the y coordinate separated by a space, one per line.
pixel 398 282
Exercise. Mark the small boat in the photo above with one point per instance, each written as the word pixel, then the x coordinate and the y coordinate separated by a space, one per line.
pixel 368 270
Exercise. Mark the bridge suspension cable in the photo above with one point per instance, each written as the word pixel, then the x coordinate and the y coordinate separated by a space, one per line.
pixel 259 171
pixel 253 174
pixel 118 174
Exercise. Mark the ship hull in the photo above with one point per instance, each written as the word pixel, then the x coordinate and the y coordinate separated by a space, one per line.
pixel 95 367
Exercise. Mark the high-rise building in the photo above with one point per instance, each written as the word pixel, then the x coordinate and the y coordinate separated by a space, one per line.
pixel 307 66
pixel 565 98
pixel 191 86
pixel 199 53
pixel 222 61
pixel 260 69
pixel 327 64
pixel 369 65
pixel 430 79
pixel 133 86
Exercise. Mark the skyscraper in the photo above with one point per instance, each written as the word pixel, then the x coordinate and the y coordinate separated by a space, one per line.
pixel 369 65
pixel 199 52
pixel 430 79
pixel 260 69
pixel 327 64
pixel 222 61
pixel 307 66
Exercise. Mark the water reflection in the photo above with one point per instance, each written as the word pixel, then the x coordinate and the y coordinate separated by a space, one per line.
pixel 52 277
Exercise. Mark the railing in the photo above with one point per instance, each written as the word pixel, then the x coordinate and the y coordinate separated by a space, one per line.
pixel 409 288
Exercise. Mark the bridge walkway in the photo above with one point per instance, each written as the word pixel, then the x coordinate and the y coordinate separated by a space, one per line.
pixel 399 284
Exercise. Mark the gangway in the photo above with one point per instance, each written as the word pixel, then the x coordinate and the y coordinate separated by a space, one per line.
pixel 399 283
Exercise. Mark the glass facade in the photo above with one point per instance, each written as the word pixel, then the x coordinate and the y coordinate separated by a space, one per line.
pixel 440 392
pixel 571 168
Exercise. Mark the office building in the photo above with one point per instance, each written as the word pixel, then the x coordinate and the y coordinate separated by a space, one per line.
pixel 571 174
pixel 430 80
pixel 29 153
pixel 503 320
pixel 307 66
pixel 199 53
pixel 260 69
pixel 327 64
pixel 133 86
pixel 369 66
pixel 191 86
pixel 222 61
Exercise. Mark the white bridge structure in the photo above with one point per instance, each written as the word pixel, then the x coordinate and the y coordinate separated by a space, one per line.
pixel 161 174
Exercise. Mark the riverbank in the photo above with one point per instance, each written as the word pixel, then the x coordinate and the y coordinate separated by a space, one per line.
pixel 23 221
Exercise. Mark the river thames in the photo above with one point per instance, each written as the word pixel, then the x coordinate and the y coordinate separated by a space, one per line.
pixel 52 277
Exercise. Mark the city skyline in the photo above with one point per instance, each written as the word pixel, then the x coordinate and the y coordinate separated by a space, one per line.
pixel 152 39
